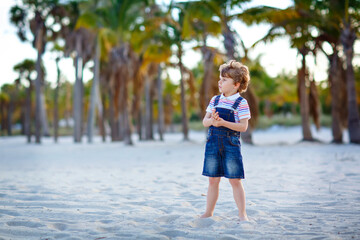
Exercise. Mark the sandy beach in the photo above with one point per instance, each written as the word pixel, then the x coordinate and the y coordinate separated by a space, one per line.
pixel 155 190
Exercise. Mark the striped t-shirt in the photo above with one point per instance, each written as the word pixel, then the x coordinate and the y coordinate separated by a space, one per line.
pixel 242 110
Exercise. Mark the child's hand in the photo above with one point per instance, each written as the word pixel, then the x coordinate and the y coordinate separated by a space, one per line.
pixel 217 121
pixel 215 115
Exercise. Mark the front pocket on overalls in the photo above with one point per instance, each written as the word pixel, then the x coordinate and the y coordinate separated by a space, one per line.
pixel 234 140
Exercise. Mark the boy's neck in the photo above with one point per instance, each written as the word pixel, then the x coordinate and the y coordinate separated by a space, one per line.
pixel 229 94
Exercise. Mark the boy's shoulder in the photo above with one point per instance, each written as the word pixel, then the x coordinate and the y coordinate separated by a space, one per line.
pixel 214 97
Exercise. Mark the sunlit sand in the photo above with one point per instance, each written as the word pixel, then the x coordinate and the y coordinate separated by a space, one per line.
pixel 155 190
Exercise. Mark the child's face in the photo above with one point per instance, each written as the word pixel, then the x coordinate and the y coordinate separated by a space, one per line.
pixel 227 85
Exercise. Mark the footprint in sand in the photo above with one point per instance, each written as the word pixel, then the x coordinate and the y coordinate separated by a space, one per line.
pixel 58 226
pixel 202 223
pixel 168 218
pixel 24 224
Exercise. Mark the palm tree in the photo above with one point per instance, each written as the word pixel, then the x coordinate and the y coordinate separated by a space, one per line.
pixel 336 29
pixel 199 24
pixel 177 26
pixel 292 22
pixel 4 102
pixel 117 20
pixel 25 69
pixel 40 11
pixel 9 103
pixel 79 44
pixel 348 37
pixel 152 43
pixel 90 21
pixel 328 25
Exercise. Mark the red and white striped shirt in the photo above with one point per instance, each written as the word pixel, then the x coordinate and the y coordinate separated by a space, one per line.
pixel 241 112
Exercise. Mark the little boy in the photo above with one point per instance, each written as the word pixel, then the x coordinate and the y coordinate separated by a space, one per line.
pixel 226 116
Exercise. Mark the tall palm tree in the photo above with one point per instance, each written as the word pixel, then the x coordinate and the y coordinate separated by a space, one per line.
pixel 177 26
pixel 152 44
pixel 9 102
pixel 25 69
pixel 294 23
pixel 79 44
pixel 39 11
pixel 348 37
pixel 336 28
pixel 91 21
pixel 199 24
pixel 4 102
pixel 118 19
pixel 328 25
pixel 56 101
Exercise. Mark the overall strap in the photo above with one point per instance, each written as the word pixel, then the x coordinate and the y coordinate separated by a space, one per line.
pixel 237 102
pixel 217 100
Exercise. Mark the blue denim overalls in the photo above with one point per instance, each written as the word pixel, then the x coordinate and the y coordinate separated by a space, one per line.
pixel 222 151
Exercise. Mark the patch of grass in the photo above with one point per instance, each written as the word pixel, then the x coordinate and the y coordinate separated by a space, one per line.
pixel 288 120
pixel 196 125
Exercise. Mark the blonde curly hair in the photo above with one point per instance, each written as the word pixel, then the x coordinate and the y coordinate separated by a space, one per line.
pixel 238 72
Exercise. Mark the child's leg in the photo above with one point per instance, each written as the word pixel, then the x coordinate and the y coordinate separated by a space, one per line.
pixel 239 196
pixel 212 196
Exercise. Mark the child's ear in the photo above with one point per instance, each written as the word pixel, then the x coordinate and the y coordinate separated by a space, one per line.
pixel 237 85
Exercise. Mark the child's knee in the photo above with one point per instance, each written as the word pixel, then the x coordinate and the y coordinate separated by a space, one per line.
pixel 214 181
pixel 235 182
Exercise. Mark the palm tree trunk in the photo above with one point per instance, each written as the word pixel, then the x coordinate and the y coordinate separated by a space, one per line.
pixel 126 130
pixel 101 115
pixel 139 123
pixel 77 111
pixel 148 103
pixel 22 118
pixel 9 115
pixel 184 118
pixel 304 100
pixel 44 121
pixel 38 124
pixel 334 80
pixel 348 37
pixel 208 61
pixel 56 104
pixel 229 41
pixel 28 112
pixel 127 126
pixel 68 105
pixel 160 105
pixel 94 93
pixel 314 104
pixel 113 125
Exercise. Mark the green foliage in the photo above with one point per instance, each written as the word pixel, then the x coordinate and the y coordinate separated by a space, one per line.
pixel 154 34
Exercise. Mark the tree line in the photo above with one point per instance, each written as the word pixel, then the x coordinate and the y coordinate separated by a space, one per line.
pixel 130 44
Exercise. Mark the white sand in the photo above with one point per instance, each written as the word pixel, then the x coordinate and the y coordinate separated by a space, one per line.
pixel 155 190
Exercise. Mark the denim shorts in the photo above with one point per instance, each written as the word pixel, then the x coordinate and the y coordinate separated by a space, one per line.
pixel 223 156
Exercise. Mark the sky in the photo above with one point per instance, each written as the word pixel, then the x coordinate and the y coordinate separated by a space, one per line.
pixel 276 57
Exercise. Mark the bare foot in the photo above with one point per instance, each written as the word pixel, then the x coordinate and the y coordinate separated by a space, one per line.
pixel 206 215
pixel 244 218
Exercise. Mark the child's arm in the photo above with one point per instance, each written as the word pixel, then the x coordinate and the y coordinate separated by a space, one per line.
pixel 208 120
pixel 239 127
